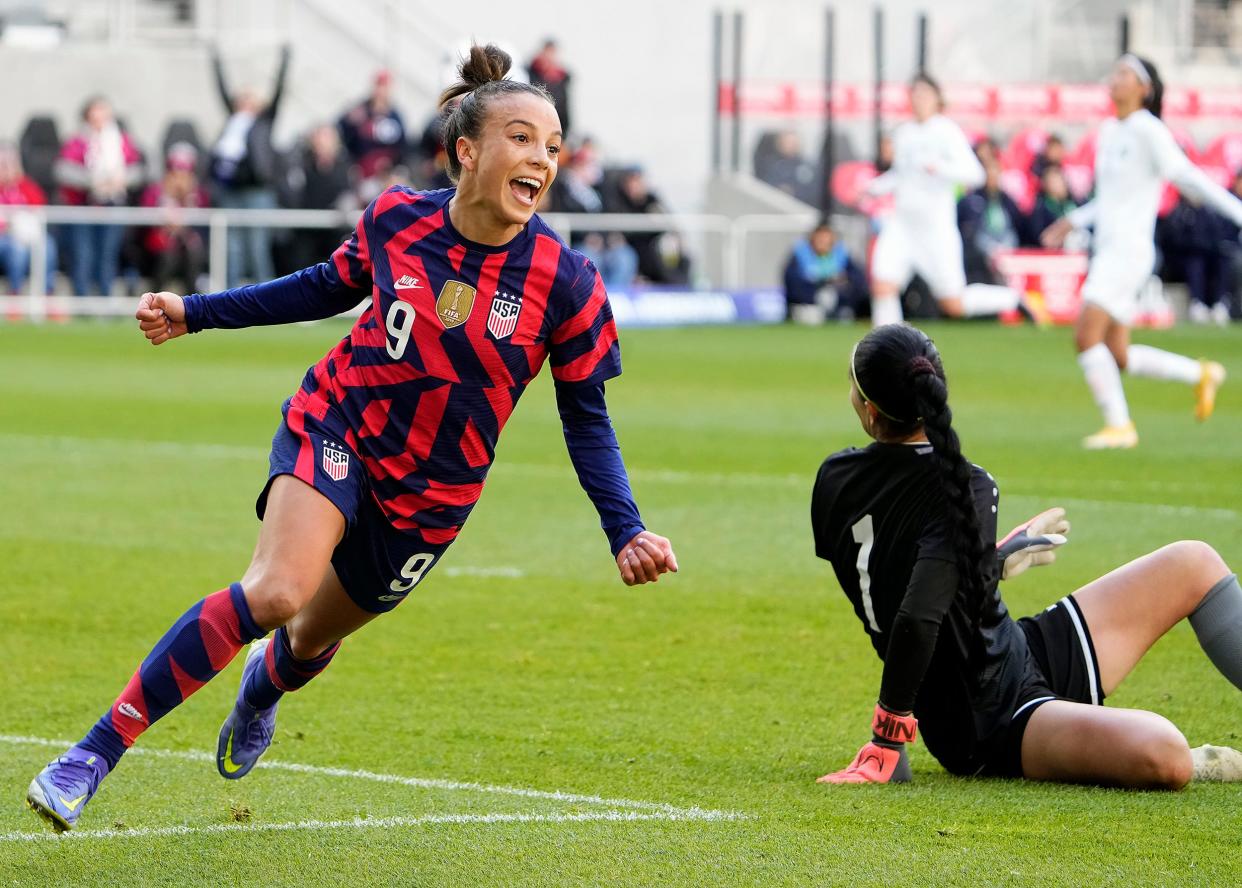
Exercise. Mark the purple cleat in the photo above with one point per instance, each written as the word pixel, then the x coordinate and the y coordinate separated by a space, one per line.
pixel 247 732
pixel 61 790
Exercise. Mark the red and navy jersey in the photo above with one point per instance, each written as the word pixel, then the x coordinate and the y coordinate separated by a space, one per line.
pixel 430 373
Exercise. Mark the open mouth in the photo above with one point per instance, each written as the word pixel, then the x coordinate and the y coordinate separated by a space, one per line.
pixel 525 189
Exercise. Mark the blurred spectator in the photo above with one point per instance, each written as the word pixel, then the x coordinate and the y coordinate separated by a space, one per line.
pixel 431 171
pixel 244 169
pixel 989 221
pixel 821 280
pixel 320 180
pixel 97 167
pixel 987 151
pixel 545 70
pixel 661 257
pixel 884 153
pixel 1052 202
pixel 1190 239
pixel 19 231
pixel 176 251
pixel 574 192
pixel 372 131
pixel 785 168
pixel 1052 155
pixel 1231 247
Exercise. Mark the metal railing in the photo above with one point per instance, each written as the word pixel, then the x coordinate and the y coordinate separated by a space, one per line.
pixel 715 242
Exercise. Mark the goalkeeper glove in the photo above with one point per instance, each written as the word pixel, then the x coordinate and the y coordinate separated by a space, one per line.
pixel 883 759
pixel 1032 543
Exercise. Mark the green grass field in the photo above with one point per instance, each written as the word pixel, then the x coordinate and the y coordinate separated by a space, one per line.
pixel 127 488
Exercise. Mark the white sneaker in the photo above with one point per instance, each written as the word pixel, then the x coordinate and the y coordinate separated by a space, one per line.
pixel 1217 763
pixel 1112 438
pixel 1220 314
pixel 1198 313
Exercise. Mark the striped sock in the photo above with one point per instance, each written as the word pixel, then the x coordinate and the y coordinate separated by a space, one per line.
pixel 282 672
pixel 201 643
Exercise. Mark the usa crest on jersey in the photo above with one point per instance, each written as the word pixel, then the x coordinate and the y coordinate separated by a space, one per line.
pixel 502 319
pixel 335 461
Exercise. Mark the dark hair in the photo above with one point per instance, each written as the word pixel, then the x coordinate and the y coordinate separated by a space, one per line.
pixel 898 369
pixel 481 79
pixel 1154 101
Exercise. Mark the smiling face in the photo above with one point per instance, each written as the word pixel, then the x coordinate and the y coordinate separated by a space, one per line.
pixel 512 163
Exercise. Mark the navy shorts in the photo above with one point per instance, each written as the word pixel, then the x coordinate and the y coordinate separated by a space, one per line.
pixel 1061 665
pixel 378 565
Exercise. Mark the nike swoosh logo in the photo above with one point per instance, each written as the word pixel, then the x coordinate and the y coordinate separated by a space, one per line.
pixel 227 761
pixel 72 806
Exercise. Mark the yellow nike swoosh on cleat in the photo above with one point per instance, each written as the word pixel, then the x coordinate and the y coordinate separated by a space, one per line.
pixel 72 805
pixel 227 761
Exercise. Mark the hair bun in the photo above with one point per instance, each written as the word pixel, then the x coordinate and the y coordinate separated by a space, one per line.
pixel 484 64
pixel 920 365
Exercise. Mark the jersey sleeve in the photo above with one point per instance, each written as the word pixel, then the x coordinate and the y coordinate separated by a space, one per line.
pixel 583 346
pixel 596 457
pixel 929 594
pixel 311 294
pixel 912 638
pixel 1173 164
pixel 352 259
pixel 961 164
pixel 1083 216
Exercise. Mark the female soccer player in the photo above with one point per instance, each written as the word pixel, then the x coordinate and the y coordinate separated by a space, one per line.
pixel 908 525
pixel 384 450
pixel 1135 153
pixel 931 160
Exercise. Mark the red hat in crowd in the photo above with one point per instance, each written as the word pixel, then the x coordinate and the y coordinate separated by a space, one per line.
pixel 182 156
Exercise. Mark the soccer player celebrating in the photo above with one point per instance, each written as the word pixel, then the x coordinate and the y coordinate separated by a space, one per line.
pixel 931 160
pixel 384 449
pixel 908 524
pixel 1134 155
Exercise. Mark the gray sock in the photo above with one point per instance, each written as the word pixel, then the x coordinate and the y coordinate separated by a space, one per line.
pixel 1217 622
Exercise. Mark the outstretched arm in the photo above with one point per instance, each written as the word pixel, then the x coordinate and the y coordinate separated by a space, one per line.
pixel 641 555
pixel 281 74
pixel 307 295
pixel 912 641
pixel 1191 181
pixel 320 291
pixel 959 163
pixel 217 68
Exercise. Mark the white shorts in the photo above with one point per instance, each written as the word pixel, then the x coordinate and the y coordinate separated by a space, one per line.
pixel 935 253
pixel 1115 278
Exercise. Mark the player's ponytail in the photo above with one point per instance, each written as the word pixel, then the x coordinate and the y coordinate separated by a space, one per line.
pixel 931 397
pixel 1150 77
pixel 898 370
pixel 1155 96
pixel 481 77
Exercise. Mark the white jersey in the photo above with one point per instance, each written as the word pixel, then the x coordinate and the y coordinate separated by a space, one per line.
pixel 1133 158
pixel 931 160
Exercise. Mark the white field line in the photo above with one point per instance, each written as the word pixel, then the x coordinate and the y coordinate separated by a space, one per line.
pixel 369 823
pixel 694 813
pixel 674 476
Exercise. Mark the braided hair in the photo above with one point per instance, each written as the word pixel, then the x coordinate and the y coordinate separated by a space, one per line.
pixel 898 370
pixel 482 77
